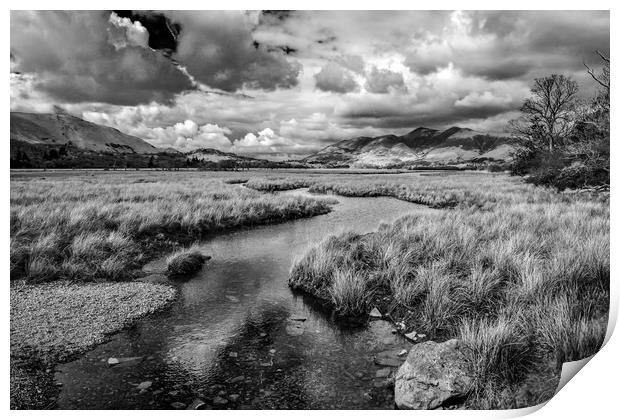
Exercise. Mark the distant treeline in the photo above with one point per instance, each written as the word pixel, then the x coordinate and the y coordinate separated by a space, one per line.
pixel 67 156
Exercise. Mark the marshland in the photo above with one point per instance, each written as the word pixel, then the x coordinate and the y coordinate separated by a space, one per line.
pixel 518 273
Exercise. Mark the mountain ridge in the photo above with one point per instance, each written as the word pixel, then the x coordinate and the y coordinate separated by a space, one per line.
pixel 421 146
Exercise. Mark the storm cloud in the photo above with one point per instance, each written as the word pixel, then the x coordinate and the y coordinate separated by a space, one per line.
pixel 288 83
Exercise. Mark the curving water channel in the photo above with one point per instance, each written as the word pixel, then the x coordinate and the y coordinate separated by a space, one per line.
pixel 237 338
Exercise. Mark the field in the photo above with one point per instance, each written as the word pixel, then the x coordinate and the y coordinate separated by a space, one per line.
pixel 519 273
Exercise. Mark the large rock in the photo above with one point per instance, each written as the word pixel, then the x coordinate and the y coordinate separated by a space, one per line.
pixel 432 374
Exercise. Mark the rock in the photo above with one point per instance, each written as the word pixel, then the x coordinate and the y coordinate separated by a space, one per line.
pixel 220 401
pixel 233 299
pixel 113 361
pixel 196 404
pixel 432 374
pixel 375 313
pixel 389 358
pixel 233 397
pixel 298 318
pixel 222 393
pixel 402 353
pixel 383 373
pixel 145 385
pixel 295 328
pixel 412 335
pixel 263 334
pixel 232 354
pixel 177 405
pixel 128 361
pixel 272 351
pixel 160 236
pixel 421 335
pixel 236 379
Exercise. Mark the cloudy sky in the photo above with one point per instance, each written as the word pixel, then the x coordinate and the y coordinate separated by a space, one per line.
pixel 285 84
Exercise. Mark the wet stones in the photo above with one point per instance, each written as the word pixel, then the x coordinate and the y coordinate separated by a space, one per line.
pixel 375 313
pixel 433 374
pixel 196 404
pixel 219 401
pixel 389 358
pixel 236 379
pixel 145 385
pixel 294 328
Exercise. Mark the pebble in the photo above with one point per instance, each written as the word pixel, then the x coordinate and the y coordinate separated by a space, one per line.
pixel 236 379
pixel 178 405
pixel 233 354
pixel 232 298
pixel 402 353
pixel 411 336
pixel 233 397
pixel 375 313
pixel 145 385
pixel 220 401
pixel 272 351
pixel 113 361
pixel 196 404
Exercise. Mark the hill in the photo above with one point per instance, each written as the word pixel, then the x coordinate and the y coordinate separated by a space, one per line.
pixel 420 147
pixel 61 129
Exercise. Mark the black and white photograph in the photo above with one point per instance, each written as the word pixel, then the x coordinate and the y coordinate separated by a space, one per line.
pixel 306 209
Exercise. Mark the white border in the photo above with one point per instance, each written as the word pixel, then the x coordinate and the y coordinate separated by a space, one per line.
pixel 592 394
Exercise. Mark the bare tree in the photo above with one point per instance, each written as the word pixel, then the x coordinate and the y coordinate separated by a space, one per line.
pixel 603 78
pixel 549 113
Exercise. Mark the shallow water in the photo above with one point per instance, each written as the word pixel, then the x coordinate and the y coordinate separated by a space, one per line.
pixel 230 334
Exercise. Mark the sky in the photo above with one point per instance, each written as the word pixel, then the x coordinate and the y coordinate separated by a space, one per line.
pixel 282 85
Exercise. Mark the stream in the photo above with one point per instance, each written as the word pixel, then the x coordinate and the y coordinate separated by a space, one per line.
pixel 238 337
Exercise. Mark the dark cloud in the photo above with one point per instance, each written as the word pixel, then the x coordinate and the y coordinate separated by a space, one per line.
pixel 380 81
pixel 355 63
pixel 334 78
pixel 500 45
pixel 162 33
pixel 218 50
pixel 76 60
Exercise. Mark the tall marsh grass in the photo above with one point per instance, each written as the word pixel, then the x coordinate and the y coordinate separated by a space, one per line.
pixel 521 278
pixel 86 228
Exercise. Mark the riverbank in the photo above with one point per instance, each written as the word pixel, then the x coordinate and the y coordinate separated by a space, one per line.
pixel 522 280
pixel 68 235
pixel 54 322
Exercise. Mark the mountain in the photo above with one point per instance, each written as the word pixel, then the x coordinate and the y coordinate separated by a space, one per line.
pixel 214 155
pixel 61 129
pixel 420 147
pixel 60 140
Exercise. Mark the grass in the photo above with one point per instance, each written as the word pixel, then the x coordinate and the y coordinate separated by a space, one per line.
pixel 521 279
pixel 278 184
pixel 85 228
pixel 186 261
pixel 76 239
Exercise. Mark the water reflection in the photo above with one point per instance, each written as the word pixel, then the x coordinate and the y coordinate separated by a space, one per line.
pixel 231 335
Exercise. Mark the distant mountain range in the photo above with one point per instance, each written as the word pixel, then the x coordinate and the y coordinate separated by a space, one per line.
pixel 63 140
pixel 420 147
